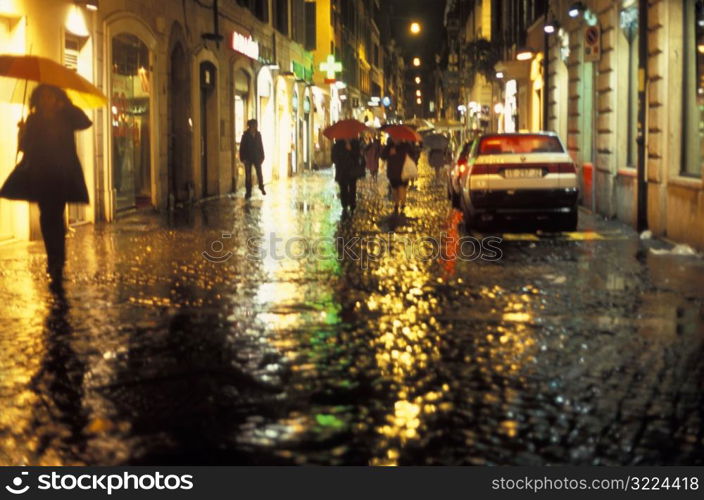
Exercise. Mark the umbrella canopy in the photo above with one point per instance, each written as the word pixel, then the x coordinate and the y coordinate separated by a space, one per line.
pixel 448 124
pixel 418 123
pixel 345 129
pixel 403 133
pixel 435 141
pixel 42 70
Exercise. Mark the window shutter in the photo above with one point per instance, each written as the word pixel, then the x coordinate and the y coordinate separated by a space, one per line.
pixel 311 37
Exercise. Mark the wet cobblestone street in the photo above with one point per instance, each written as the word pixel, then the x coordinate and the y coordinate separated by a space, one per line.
pixel 281 347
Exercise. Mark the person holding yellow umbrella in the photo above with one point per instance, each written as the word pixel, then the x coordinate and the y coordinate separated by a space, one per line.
pixel 50 172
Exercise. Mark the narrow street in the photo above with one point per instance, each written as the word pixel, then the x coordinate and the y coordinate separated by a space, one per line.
pixel 303 338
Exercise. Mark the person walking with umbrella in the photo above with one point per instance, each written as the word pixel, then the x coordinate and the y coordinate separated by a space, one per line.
pixel 50 172
pixel 252 155
pixel 395 153
pixel 438 150
pixel 348 168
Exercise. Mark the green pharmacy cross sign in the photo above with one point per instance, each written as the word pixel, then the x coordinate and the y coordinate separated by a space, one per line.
pixel 330 67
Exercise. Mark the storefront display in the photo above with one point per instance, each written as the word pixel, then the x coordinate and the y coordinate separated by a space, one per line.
pixel 130 108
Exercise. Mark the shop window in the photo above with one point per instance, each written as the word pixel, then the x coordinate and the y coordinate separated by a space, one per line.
pixel 130 107
pixel 693 108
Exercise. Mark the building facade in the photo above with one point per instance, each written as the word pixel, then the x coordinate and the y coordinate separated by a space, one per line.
pixel 595 58
pixel 621 83
pixel 182 79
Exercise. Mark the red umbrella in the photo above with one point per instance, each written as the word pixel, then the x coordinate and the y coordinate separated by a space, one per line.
pixel 345 129
pixel 403 133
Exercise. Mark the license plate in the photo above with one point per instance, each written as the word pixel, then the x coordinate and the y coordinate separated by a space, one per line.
pixel 514 173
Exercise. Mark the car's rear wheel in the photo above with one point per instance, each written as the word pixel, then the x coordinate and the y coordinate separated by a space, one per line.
pixel 469 221
pixel 568 222
pixel 454 199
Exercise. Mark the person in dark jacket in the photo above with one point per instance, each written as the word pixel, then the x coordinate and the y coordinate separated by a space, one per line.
pixel 50 172
pixel 347 158
pixel 252 155
pixel 395 155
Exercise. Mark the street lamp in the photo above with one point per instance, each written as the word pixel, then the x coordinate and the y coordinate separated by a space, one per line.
pixel 418 94
pixel 416 61
pixel 418 80
pixel 551 27
pixel 415 28
pixel 576 9
pixel 89 4
pixel 524 54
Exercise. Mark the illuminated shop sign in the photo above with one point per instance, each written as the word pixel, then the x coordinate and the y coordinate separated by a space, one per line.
pixel 330 67
pixel 245 44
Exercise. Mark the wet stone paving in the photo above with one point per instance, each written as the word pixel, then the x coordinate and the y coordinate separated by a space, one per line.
pixel 278 331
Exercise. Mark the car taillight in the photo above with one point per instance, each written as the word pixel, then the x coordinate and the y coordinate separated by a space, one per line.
pixel 566 168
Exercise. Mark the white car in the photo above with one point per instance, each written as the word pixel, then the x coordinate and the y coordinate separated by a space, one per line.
pixel 513 176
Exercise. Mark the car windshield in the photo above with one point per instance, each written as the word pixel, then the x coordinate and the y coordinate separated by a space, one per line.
pixel 520 144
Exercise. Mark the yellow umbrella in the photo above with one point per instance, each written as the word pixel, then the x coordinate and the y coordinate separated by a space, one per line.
pixel 42 70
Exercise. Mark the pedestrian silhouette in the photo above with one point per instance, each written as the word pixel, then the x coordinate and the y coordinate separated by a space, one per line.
pixel 395 154
pixel 349 167
pixel 252 155
pixel 50 172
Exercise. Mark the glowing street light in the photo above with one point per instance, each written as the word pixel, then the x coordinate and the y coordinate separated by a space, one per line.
pixel 418 94
pixel 415 28
pixel 418 80
pixel 419 100
pixel 416 61
pixel 551 27
pixel 524 54
pixel 576 9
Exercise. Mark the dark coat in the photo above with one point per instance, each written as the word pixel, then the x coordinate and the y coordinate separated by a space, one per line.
pixel 394 162
pixel 348 162
pixel 50 169
pixel 371 156
pixel 436 158
pixel 251 148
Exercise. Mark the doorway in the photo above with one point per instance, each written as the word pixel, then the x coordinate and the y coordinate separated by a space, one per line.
pixel 179 178
pixel 266 118
pixel 241 110
pixel 208 127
